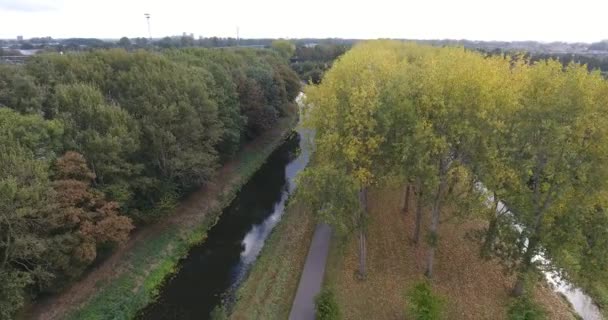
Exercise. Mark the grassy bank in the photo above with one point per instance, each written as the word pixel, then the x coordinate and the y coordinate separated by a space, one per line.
pixel 152 259
pixel 599 294
pixel 272 283
pixel 472 288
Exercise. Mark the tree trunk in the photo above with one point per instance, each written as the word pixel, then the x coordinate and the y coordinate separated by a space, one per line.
pixel 488 244
pixel 362 254
pixel 433 234
pixel 362 239
pixel 9 234
pixel 526 261
pixel 526 264
pixel 406 199
pixel 418 213
pixel 435 219
pixel 534 239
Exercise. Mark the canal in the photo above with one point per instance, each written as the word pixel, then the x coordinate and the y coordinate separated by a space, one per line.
pixel 213 270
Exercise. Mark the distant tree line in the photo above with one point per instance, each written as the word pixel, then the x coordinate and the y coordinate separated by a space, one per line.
pixel 593 62
pixel 311 60
pixel 93 144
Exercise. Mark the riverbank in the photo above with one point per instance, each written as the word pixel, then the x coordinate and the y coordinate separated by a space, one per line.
pixel 129 279
pixel 271 285
pixel 473 288
pixel 599 294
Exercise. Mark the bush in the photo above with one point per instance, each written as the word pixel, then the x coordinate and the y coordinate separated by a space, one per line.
pixel 326 306
pixel 219 313
pixel 523 308
pixel 423 304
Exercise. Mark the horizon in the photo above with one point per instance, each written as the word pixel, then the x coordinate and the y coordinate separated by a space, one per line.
pixel 302 38
pixel 475 20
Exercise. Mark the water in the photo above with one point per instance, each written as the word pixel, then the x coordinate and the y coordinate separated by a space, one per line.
pixel 581 302
pixel 213 270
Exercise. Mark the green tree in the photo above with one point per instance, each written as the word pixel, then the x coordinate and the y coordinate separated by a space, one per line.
pixel 107 134
pixel 284 47
pixel 557 150
pixel 348 114
pixel 26 144
pixel 19 91
pixel 124 42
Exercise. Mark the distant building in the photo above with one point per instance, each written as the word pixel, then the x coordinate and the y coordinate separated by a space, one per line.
pixel 310 45
pixel 19 38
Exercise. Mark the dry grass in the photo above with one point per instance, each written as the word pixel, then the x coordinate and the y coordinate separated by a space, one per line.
pixel 271 286
pixel 473 288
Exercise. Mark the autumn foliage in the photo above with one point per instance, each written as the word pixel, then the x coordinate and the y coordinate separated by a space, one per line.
pixel 83 211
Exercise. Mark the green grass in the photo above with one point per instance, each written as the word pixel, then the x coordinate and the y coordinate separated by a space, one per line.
pixel 270 287
pixel 599 294
pixel 152 261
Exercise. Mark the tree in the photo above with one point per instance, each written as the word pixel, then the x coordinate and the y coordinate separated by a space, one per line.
pixel 24 193
pixel 451 87
pixel 347 114
pixel 189 108
pixel 558 151
pixel 284 47
pixel 107 134
pixel 141 42
pixel 83 221
pixel 124 42
pixel 26 143
pixel 19 91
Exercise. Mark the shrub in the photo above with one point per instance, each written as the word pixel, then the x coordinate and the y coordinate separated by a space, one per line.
pixel 219 313
pixel 523 308
pixel 326 306
pixel 423 304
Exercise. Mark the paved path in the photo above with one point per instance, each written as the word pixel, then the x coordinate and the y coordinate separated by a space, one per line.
pixel 303 307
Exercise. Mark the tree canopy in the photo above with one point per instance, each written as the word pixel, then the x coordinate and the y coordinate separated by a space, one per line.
pixel 466 128
pixel 95 143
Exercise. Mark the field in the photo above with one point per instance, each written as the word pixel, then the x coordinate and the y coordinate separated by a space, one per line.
pixel 472 288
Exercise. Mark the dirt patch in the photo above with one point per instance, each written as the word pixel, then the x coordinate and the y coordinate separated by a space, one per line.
pixel 473 288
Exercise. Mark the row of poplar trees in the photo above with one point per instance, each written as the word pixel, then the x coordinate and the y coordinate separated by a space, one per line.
pixel 92 144
pixel 472 132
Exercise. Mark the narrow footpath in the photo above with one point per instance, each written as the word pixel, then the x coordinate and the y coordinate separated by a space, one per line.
pixel 303 307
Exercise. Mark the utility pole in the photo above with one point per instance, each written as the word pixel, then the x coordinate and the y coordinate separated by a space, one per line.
pixel 237 36
pixel 147 15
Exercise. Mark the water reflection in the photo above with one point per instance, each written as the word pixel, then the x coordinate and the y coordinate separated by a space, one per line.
pixel 581 302
pixel 212 270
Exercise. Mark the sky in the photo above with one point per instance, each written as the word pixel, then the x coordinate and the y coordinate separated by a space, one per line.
pixel 508 20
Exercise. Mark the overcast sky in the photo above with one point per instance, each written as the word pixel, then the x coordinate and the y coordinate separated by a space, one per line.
pixel 543 20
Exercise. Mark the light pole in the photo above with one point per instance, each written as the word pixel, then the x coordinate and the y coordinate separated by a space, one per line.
pixel 147 15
